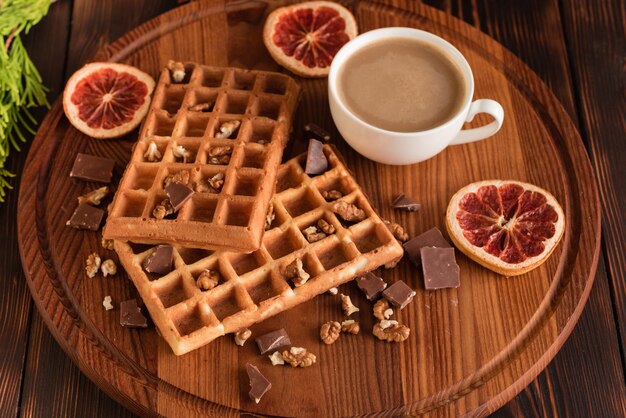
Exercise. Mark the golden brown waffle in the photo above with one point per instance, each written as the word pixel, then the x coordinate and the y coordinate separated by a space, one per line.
pixel 253 286
pixel 230 218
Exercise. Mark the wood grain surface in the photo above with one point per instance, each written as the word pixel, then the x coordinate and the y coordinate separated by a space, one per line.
pixel 575 383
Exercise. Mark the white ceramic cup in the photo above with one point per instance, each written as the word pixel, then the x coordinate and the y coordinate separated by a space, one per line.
pixel 399 148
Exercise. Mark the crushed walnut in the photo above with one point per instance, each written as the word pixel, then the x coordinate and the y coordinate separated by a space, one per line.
pixel 348 211
pixel 208 279
pixel 212 185
pixel 217 181
pixel 107 244
pixel 227 129
pixel 152 153
pixel 163 209
pixel 177 69
pixel 242 336
pixel 269 218
pixel 331 194
pixel 350 326
pixel 326 227
pixel 347 305
pixel 312 234
pixel 382 310
pixel 107 303
pixel 108 268
pixel 329 332
pixel 181 152
pixel 299 357
pixel 276 358
pixel 94 197
pixel 295 271
pixel 201 107
pixel 181 177
pixel 220 154
pixel 391 331
pixel 397 231
pixel 92 264
pixel 333 291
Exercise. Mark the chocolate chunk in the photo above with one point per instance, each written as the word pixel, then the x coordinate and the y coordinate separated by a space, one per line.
pixel 399 294
pixel 316 162
pixel 178 194
pixel 312 130
pixel 404 202
pixel 259 385
pixel 272 341
pixel 430 238
pixel 440 268
pixel 86 217
pixel 91 168
pixel 371 285
pixel 131 316
pixel 160 261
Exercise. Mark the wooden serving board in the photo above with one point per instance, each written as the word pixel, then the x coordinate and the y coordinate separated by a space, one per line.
pixel 470 350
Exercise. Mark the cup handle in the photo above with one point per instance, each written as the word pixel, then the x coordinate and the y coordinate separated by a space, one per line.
pixel 476 134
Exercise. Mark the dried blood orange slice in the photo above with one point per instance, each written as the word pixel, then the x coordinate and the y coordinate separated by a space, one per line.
pixel 305 37
pixel 509 226
pixel 107 100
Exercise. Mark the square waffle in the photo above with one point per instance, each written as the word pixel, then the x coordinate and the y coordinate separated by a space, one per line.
pixel 233 216
pixel 253 286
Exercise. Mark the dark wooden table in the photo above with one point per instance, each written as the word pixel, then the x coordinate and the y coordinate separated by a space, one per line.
pixel 576 46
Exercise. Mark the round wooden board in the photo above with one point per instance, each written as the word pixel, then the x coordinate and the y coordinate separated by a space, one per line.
pixel 470 350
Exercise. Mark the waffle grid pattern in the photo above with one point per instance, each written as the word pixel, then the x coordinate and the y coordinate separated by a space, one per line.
pixel 233 218
pixel 253 286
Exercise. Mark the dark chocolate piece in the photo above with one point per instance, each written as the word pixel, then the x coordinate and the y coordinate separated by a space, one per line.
pixel 399 294
pixel 92 168
pixel 371 285
pixel 131 316
pixel 440 268
pixel 316 162
pixel 312 130
pixel 430 238
pixel 259 385
pixel 178 194
pixel 86 217
pixel 272 341
pixel 160 261
pixel 404 202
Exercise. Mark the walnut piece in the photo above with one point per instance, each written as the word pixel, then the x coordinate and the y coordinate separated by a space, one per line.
pixel 163 209
pixel 94 197
pixel 347 305
pixel 181 177
pixel 201 107
pixel 208 279
pixel 107 303
pixel 350 326
pixel 295 272
pixel 242 336
pixel 348 211
pixel 269 218
pixel 228 128
pixel 177 69
pixel 181 152
pixel 108 268
pixel 299 357
pixel 220 154
pixel 333 291
pixel 276 358
pixel 217 181
pixel 325 227
pixel 329 332
pixel 152 153
pixel 382 310
pixel 397 231
pixel 391 331
pixel 92 264
pixel 212 185
pixel 331 194
pixel 312 234
pixel 107 244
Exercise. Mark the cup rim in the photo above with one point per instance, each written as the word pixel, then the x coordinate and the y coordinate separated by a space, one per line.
pixel 399 32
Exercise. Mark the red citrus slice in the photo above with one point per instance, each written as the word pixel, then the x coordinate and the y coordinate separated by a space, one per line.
pixel 508 226
pixel 305 37
pixel 107 100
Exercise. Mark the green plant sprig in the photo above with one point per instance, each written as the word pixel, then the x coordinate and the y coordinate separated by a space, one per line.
pixel 21 86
